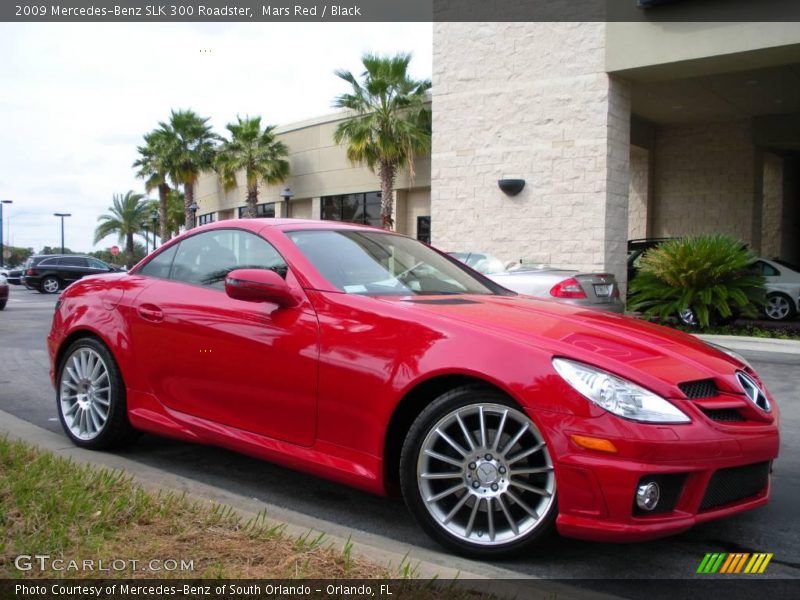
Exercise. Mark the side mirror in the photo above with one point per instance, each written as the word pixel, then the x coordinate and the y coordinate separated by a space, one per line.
pixel 259 285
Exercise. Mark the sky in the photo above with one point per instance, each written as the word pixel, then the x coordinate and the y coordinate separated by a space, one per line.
pixel 76 99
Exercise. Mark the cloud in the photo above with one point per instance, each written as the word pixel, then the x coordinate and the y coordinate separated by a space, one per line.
pixel 85 93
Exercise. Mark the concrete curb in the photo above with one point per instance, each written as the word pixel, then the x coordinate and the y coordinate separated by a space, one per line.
pixel 753 344
pixel 427 564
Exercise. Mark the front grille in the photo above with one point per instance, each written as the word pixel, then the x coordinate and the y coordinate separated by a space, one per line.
pixel 702 388
pixel 734 484
pixel 724 415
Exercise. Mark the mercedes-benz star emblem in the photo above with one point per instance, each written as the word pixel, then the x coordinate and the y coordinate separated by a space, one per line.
pixel 754 393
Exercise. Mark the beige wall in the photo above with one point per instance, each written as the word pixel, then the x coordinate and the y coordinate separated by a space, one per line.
pixel 638 192
pixel 704 180
pixel 772 213
pixel 667 50
pixel 533 101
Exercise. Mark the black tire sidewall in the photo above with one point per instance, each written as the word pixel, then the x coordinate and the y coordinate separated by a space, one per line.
pixel 117 429
pixel 444 404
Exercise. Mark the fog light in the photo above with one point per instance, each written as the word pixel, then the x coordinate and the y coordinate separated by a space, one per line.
pixel 647 496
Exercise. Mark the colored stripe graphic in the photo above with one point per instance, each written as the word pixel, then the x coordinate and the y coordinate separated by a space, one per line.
pixel 729 564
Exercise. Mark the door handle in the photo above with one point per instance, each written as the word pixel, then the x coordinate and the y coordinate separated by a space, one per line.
pixel 150 312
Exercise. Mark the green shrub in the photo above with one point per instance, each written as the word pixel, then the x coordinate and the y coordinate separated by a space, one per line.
pixel 709 274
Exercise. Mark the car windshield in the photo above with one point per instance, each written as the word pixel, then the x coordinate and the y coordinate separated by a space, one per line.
pixel 482 263
pixel 379 264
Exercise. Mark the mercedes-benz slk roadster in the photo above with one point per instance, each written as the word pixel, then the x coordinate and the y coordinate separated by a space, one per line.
pixel 371 359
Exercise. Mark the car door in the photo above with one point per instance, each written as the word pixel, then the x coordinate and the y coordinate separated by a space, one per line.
pixel 72 268
pixel 252 366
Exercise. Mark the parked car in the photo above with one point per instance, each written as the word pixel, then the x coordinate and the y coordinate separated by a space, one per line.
pixel 15 276
pixel 3 291
pixel 50 273
pixel 372 359
pixel 589 290
pixel 783 288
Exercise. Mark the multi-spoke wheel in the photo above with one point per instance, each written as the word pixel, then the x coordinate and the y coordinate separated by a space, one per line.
pixel 779 308
pixel 91 396
pixel 477 473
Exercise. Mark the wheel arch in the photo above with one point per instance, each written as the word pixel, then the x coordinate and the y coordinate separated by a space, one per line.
pixel 408 409
pixel 71 338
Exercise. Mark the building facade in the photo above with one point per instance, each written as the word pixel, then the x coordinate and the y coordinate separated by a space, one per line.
pixel 620 130
pixel 324 185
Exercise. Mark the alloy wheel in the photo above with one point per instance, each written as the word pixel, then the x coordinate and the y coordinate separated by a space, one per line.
pixel 50 285
pixel 777 308
pixel 485 474
pixel 85 393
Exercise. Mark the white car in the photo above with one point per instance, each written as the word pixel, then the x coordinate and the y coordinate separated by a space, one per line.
pixel 589 290
pixel 783 289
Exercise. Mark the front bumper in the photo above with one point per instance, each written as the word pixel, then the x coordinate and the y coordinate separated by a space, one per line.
pixel 705 473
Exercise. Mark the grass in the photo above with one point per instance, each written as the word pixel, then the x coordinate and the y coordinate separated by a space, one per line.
pixel 50 505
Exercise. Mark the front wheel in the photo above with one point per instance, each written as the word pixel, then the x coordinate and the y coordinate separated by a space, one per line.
pixel 779 308
pixel 477 475
pixel 91 397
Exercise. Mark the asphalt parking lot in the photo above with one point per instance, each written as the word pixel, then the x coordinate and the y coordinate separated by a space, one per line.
pixel 25 392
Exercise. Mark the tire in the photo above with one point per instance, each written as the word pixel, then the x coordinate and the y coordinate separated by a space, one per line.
pixel 90 397
pixel 49 285
pixel 3 304
pixel 476 510
pixel 780 307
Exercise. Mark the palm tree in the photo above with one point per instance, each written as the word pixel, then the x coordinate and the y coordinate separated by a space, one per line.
pixel 189 150
pixel 154 169
pixel 393 121
pixel 257 153
pixel 175 212
pixel 125 218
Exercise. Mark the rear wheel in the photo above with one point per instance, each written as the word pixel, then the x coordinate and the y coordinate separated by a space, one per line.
pixel 3 304
pixel 477 475
pixel 50 285
pixel 780 308
pixel 91 398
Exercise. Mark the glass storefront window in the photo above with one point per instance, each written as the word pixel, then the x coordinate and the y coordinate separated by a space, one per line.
pixel 263 211
pixel 352 208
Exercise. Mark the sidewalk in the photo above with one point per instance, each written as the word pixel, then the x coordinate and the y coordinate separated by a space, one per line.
pixel 753 344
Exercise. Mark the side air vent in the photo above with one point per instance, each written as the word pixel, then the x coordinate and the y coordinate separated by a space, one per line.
pixel 702 388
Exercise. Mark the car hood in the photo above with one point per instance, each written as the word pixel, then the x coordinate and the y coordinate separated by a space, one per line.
pixel 616 343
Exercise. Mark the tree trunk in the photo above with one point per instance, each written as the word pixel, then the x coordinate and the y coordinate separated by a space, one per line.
pixel 129 250
pixel 387 172
pixel 188 197
pixel 163 229
pixel 252 201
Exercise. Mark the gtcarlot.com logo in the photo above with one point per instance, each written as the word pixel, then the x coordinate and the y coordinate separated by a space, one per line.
pixel 734 564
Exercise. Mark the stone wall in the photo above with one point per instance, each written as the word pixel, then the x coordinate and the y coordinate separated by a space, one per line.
pixel 530 101
pixel 704 180
pixel 638 193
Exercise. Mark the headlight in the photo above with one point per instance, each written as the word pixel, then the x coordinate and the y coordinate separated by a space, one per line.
pixel 734 355
pixel 617 396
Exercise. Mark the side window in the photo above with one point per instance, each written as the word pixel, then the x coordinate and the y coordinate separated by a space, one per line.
pixel 48 262
pixel 72 261
pixel 97 264
pixel 206 258
pixel 768 270
pixel 159 265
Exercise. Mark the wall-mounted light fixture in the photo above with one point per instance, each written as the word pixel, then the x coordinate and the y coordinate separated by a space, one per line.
pixel 287 194
pixel 511 187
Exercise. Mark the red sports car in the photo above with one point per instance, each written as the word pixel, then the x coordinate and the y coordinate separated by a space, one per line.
pixel 370 358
